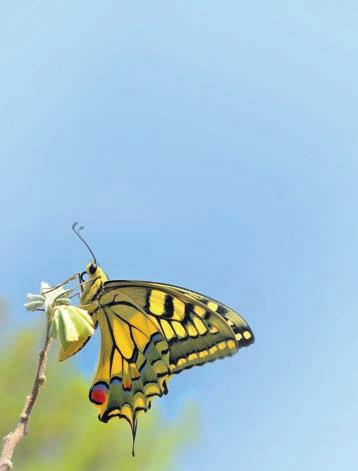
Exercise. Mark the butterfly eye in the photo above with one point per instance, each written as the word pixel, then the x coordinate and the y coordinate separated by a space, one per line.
pixel 92 269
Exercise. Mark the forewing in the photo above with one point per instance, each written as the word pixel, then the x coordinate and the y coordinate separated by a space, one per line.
pixel 198 329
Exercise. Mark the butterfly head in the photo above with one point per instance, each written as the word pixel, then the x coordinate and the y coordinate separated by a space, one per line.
pixel 93 271
pixel 91 268
pixel 92 280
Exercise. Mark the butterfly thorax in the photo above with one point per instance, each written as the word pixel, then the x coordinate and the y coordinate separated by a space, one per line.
pixel 92 286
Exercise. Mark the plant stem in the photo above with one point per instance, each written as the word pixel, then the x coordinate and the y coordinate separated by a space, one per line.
pixel 11 440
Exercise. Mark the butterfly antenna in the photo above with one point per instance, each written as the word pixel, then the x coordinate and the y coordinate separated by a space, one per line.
pixel 77 231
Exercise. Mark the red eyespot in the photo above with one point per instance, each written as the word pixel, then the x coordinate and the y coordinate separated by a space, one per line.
pixel 99 393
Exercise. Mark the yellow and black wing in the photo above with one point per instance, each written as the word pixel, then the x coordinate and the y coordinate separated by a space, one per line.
pixel 243 334
pixel 198 329
pixel 150 331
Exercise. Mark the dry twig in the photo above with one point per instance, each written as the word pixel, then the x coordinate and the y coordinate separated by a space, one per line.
pixel 11 440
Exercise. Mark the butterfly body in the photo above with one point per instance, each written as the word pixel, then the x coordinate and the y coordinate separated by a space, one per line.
pixel 150 331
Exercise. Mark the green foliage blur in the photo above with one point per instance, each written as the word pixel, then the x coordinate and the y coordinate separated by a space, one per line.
pixel 64 432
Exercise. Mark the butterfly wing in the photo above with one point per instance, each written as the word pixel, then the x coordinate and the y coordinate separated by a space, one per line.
pixel 150 331
pixel 198 329
pixel 134 362
pixel 243 334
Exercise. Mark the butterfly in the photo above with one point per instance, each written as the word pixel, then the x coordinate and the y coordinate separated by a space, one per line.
pixel 150 332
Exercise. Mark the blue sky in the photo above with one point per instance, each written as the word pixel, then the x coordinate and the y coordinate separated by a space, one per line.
pixel 211 145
